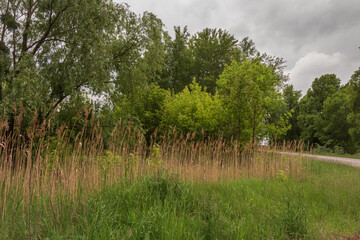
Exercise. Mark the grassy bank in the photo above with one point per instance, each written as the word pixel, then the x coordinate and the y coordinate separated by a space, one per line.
pixel 179 188
pixel 324 205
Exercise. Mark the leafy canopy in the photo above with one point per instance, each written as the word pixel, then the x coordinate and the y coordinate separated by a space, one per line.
pixel 194 110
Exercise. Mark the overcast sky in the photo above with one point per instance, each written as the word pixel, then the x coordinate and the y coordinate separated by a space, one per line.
pixel 315 37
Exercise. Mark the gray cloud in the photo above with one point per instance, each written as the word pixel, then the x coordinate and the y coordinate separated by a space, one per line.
pixel 314 36
pixel 315 64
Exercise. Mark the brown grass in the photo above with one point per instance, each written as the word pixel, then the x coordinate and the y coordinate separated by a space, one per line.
pixel 69 167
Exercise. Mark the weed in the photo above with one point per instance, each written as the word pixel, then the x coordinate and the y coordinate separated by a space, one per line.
pixel 77 189
pixel 294 216
pixel 281 175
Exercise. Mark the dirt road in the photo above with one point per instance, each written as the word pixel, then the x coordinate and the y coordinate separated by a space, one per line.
pixel 346 161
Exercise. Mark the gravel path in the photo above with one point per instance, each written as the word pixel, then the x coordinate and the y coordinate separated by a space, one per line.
pixel 346 161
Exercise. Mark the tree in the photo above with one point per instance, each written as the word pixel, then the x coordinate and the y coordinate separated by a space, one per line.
pixel 248 51
pixel 248 90
pixel 156 39
pixel 194 110
pixel 179 62
pixel 149 109
pixel 355 91
pixel 212 50
pixel 311 105
pixel 53 50
pixel 291 99
pixel 138 52
pixel 332 126
pixel 354 116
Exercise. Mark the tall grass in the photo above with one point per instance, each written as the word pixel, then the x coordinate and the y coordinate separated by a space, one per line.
pixel 42 174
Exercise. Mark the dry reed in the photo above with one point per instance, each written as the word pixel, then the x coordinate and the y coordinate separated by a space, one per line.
pixel 68 167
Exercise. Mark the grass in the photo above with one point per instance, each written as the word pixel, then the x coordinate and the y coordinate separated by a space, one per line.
pixel 161 206
pixel 178 189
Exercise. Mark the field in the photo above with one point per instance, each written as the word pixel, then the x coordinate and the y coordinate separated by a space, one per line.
pixel 72 188
pixel 115 125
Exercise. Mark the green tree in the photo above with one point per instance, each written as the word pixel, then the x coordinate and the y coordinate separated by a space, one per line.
pixel 179 62
pixel 156 39
pixel 291 99
pixel 57 48
pixel 354 116
pixel 248 90
pixel 311 105
pixel 194 110
pixel 212 50
pixel 332 126
pixel 278 118
pixel 149 108
pixel 138 52
pixel 248 51
pixel 143 113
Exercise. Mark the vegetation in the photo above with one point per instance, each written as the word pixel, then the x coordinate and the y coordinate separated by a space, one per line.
pixel 251 95
pixel 183 189
pixel 163 207
pixel 112 129
pixel 56 62
pixel 194 110
pixel 326 114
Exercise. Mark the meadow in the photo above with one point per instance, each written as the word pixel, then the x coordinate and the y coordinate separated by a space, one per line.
pixel 77 187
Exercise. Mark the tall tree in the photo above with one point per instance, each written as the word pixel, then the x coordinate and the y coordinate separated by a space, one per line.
pixel 354 116
pixel 144 41
pixel 332 126
pixel 248 51
pixel 138 51
pixel 311 105
pixel 212 50
pixel 248 90
pixel 179 62
pixel 292 98
pixel 56 49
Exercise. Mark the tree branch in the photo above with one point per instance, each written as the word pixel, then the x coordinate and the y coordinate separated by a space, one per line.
pixel 52 22
pixel 4 24
pixel 29 14
pixel 59 101
pixel 49 39
pixel 122 53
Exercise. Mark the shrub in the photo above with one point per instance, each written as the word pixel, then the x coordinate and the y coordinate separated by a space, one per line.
pixel 194 110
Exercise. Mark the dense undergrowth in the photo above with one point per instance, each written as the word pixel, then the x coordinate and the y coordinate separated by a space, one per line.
pixel 176 189
pixel 324 205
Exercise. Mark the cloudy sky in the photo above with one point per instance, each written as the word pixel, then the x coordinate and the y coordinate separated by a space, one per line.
pixel 314 36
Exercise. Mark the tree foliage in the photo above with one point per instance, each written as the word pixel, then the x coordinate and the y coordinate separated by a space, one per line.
pixel 179 62
pixel 194 110
pixel 212 49
pixel 311 105
pixel 291 99
pixel 354 116
pixel 249 89
pixel 328 114
pixel 54 49
pixel 332 126
pixel 57 57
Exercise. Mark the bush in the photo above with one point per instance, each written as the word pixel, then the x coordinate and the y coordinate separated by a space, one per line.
pixel 321 149
pixel 193 110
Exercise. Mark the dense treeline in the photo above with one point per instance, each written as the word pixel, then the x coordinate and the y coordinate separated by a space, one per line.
pixel 328 114
pixel 58 57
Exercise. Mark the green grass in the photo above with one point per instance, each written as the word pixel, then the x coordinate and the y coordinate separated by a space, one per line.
pixel 323 205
